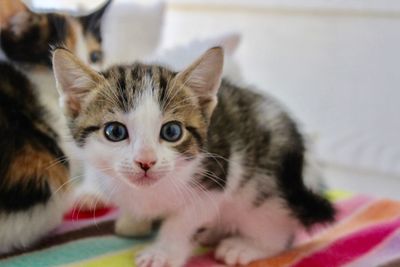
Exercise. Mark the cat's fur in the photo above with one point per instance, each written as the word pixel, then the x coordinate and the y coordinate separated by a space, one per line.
pixel 234 178
pixel 33 168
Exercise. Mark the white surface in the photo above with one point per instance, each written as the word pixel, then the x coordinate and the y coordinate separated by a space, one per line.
pixel 336 72
pixel 333 63
pixel 340 4
pixel 131 31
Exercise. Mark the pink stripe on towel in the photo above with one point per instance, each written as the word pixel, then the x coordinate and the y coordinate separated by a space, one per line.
pixel 387 251
pixel 345 209
pixel 350 247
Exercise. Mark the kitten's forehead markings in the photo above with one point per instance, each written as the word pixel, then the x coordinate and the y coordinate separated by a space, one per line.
pixel 146 117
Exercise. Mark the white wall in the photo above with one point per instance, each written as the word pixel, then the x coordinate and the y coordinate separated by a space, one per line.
pixel 335 67
pixel 334 63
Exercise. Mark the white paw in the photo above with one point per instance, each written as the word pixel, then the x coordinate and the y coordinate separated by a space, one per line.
pixel 152 257
pixel 238 251
pixel 155 256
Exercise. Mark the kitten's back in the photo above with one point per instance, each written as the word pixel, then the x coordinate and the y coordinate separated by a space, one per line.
pixel 257 127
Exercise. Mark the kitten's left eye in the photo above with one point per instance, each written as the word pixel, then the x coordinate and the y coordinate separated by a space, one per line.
pixel 171 131
pixel 96 56
pixel 115 131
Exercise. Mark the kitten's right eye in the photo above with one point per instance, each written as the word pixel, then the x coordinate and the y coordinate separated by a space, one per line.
pixel 115 131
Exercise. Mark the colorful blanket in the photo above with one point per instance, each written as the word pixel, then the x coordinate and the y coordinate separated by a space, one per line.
pixel 367 233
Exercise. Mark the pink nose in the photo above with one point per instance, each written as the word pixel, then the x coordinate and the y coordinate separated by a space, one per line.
pixel 145 165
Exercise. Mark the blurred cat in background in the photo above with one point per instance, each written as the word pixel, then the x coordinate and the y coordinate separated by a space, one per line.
pixel 34 170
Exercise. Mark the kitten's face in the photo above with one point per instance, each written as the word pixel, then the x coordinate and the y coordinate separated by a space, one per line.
pixel 140 137
pixel 140 123
pixel 26 36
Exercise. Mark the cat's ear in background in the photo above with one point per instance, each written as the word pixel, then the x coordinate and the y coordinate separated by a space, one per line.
pixel 91 23
pixel 93 33
pixel 74 80
pixel 203 77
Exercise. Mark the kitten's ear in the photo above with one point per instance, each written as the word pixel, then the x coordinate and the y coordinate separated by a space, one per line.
pixel 204 77
pixel 74 80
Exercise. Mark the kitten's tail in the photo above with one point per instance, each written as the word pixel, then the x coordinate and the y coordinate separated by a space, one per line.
pixel 306 205
pixel 313 208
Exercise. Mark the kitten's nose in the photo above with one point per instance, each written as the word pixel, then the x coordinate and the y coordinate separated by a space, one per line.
pixel 145 158
pixel 145 165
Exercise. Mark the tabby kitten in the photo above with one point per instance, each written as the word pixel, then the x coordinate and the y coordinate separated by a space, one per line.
pixel 216 162
pixel 33 168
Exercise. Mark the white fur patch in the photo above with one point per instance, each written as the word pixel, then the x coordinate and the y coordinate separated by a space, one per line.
pixel 22 229
pixel 81 49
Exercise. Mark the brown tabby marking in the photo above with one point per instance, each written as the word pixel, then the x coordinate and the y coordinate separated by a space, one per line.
pixel 120 86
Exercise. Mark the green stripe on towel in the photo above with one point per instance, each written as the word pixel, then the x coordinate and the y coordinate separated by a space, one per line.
pixel 72 251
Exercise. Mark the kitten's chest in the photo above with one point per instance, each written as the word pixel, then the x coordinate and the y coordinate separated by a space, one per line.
pixel 156 202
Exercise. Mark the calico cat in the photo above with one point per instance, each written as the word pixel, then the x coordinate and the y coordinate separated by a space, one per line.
pixel 216 162
pixel 33 166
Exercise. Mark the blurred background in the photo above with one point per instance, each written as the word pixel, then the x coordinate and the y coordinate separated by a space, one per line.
pixel 333 63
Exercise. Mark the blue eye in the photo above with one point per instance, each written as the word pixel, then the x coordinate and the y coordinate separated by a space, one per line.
pixel 115 131
pixel 171 131
pixel 96 56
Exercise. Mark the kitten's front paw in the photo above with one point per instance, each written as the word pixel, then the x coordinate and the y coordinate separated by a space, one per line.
pixel 158 257
pixel 238 251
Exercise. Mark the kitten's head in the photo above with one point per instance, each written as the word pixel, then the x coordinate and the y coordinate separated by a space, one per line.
pixel 26 37
pixel 140 123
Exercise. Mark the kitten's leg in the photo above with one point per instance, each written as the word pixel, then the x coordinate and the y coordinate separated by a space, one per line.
pixel 127 225
pixel 175 243
pixel 265 231
pixel 209 236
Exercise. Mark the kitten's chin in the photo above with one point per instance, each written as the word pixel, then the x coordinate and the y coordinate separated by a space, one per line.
pixel 143 180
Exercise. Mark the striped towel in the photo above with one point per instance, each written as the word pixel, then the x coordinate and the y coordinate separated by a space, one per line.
pixel 367 233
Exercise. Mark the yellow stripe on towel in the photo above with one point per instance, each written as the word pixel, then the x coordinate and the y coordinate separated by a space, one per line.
pixel 123 258
pixel 336 195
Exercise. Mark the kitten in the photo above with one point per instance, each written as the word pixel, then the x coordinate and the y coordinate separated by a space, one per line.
pixel 33 167
pixel 212 160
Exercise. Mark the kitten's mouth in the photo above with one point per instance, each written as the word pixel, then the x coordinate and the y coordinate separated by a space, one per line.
pixel 144 179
